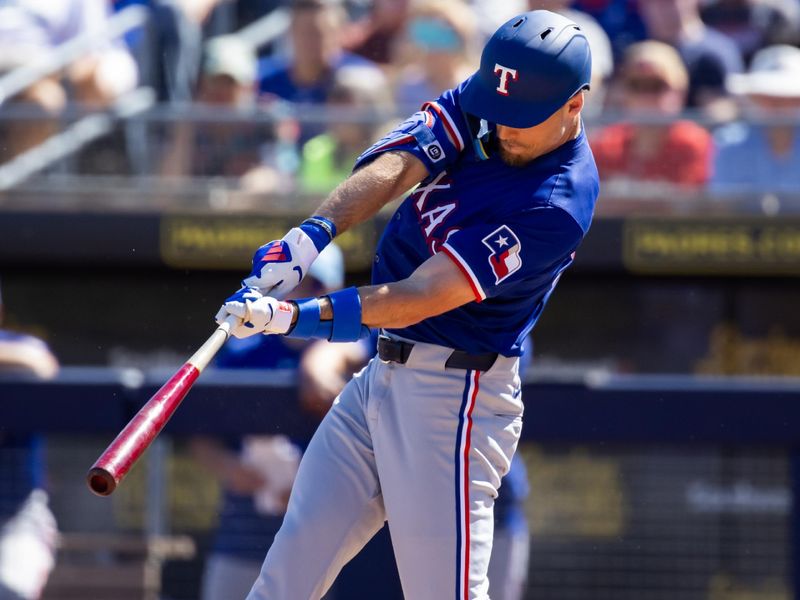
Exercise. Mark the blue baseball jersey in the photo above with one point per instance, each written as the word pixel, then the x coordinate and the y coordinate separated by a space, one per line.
pixel 511 230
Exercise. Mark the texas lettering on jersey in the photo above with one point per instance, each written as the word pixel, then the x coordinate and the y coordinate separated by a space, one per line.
pixel 432 215
pixel 503 244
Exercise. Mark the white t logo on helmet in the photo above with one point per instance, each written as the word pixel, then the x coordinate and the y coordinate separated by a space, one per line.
pixel 504 72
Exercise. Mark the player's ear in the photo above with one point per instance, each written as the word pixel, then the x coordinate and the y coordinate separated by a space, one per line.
pixel 575 104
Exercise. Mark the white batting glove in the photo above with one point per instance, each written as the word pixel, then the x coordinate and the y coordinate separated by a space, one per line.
pixel 259 314
pixel 280 265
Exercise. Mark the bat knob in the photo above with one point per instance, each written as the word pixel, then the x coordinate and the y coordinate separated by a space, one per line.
pixel 100 481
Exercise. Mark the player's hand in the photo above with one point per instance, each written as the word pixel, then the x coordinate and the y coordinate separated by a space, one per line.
pixel 259 314
pixel 280 265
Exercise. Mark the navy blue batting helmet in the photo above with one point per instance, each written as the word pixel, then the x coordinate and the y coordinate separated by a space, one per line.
pixel 529 68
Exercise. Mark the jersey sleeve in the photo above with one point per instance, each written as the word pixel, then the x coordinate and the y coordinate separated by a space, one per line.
pixel 436 134
pixel 496 257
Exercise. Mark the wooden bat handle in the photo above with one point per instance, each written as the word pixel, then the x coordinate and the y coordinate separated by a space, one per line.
pixel 212 345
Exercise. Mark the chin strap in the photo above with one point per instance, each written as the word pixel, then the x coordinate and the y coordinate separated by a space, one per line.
pixel 480 133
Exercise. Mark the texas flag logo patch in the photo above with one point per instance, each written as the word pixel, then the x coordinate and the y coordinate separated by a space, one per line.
pixel 504 258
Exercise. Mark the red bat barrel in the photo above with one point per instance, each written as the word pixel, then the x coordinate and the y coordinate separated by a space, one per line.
pixel 139 433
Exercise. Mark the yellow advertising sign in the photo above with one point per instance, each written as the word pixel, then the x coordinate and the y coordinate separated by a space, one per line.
pixel 757 246
pixel 228 242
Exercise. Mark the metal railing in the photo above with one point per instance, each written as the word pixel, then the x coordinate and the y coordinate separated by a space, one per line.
pixel 147 132
pixel 92 125
pixel 54 61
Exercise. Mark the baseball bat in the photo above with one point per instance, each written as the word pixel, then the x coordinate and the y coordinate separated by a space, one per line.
pixel 113 464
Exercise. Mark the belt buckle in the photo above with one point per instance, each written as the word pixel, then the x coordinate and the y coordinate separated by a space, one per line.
pixel 388 350
pixel 393 350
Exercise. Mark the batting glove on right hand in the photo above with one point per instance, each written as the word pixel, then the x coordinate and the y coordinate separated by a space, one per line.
pixel 259 314
pixel 279 266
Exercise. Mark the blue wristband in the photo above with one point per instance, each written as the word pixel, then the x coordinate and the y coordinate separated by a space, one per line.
pixel 346 305
pixel 328 225
pixel 346 324
pixel 308 320
pixel 320 230
pixel 308 324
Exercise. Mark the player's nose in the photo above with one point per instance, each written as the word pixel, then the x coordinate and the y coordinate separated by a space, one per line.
pixel 506 133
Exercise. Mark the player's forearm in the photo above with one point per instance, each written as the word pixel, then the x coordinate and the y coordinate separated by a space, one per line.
pixel 436 287
pixel 393 305
pixel 396 305
pixel 370 188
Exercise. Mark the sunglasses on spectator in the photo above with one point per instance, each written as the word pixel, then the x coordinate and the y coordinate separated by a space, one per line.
pixel 647 85
pixel 434 35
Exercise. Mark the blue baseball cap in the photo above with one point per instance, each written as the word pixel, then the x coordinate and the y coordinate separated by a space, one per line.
pixel 530 67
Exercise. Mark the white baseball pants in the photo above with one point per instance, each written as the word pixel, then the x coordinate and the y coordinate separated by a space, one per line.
pixel 419 445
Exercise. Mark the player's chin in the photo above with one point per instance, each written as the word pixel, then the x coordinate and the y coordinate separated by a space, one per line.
pixel 513 159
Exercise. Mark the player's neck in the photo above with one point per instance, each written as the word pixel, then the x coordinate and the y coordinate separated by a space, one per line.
pixel 570 133
pixel 575 130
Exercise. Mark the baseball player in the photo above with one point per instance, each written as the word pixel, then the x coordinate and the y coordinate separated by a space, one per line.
pixel 421 437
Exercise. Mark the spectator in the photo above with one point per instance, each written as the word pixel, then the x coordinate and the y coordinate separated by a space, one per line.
pixel 709 55
pixel 249 11
pixel 328 158
pixel 307 75
pixel 491 14
pixel 754 158
pixel 98 78
pixel 316 54
pixel 653 87
pixel 753 24
pixel 27 527
pixel 620 19
pixel 602 54
pixel 374 35
pixel 42 101
pixel 257 472
pixel 217 149
pixel 439 52
pixel 30 31
pixel 167 49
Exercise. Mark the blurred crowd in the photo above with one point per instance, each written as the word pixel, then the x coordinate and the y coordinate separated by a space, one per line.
pixel 281 95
